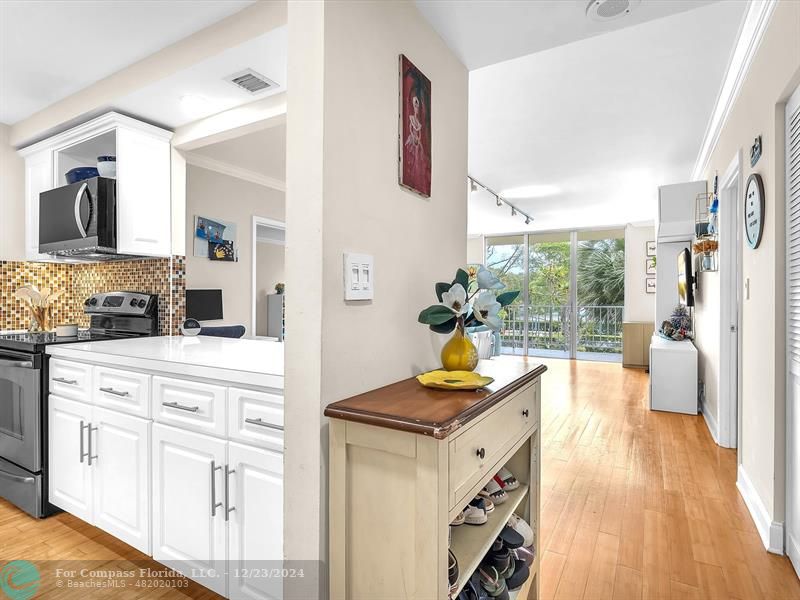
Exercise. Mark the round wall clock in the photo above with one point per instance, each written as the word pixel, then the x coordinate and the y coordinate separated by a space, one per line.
pixel 754 210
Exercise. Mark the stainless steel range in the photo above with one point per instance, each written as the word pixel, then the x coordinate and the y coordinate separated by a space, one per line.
pixel 23 391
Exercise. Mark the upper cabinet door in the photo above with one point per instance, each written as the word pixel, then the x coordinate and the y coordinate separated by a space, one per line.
pixel 38 179
pixel 255 504
pixel 70 476
pixel 189 504
pixel 143 193
pixel 122 477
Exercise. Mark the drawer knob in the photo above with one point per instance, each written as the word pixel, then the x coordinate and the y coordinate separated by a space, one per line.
pixel 480 453
pixel 525 413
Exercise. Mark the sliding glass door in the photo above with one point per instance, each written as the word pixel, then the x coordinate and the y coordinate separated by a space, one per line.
pixel 572 287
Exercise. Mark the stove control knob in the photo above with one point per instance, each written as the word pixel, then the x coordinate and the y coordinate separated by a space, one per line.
pixel 133 302
pixel 142 303
pixel 86 302
pixel 93 301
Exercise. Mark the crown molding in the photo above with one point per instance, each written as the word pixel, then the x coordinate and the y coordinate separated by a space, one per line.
pixel 759 13
pixel 211 164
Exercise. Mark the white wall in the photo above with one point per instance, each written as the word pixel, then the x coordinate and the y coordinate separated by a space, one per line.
pixel 639 305
pixel 759 110
pixel 12 200
pixel 219 196
pixel 270 269
pixel 475 250
pixel 344 196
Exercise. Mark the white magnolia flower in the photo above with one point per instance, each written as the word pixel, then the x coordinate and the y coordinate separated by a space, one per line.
pixel 487 280
pixel 486 308
pixel 456 299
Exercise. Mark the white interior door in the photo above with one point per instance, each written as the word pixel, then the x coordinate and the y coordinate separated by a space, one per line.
pixel 70 476
pixel 122 477
pixel 189 528
pixel 793 329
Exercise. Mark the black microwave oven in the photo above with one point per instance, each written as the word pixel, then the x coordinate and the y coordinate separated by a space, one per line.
pixel 80 220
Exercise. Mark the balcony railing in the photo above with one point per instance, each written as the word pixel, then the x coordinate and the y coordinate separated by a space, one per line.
pixel 599 328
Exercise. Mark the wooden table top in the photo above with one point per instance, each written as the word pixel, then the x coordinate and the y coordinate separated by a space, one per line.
pixel 408 406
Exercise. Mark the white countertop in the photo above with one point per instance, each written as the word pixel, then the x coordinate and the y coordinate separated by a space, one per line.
pixel 244 361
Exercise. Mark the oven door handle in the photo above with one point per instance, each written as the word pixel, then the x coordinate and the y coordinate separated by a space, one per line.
pixel 22 364
pixel 17 478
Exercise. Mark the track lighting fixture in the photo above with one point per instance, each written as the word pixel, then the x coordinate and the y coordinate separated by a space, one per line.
pixel 474 184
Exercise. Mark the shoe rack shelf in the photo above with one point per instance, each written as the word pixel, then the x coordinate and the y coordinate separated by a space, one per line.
pixel 404 461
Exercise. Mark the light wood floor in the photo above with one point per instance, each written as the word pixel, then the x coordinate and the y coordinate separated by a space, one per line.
pixel 639 504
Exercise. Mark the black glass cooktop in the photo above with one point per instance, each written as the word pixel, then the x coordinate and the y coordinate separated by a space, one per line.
pixel 36 342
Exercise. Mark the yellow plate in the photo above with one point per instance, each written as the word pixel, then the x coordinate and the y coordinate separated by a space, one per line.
pixel 454 380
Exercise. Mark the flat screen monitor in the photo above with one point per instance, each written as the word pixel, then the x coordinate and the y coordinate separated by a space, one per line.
pixel 204 305
pixel 685 278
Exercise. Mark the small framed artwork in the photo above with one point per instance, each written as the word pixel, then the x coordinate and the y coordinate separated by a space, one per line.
pixel 415 129
pixel 222 250
pixel 650 285
pixel 651 248
pixel 650 265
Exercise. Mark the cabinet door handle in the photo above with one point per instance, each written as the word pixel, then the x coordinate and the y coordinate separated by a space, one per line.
pixel 481 453
pixel 67 381
pixel 228 508
pixel 110 390
pixel 214 504
pixel 83 454
pixel 525 413
pixel 181 407
pixel 90 429
pixel 261 423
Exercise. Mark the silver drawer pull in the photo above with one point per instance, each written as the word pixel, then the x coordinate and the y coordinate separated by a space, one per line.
pixel 261 423
pixel 114 392
pixel 67 381
pixel 181 406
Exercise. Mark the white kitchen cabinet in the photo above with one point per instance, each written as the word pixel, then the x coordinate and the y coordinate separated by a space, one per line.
pixel 255 538
pixel 122 476
pixel 189 527
pixel 143 179
pixel 99 468
pixel 70 478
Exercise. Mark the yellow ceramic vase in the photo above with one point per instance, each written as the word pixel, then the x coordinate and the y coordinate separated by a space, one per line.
pixel 459 354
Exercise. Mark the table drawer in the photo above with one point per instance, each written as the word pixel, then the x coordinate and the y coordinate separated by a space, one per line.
pixel 256 418
pixel 189 404
pixel 124 391
pixel 70 380
pixel 474 454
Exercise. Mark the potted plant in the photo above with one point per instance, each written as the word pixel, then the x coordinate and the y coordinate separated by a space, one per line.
pixel 471 300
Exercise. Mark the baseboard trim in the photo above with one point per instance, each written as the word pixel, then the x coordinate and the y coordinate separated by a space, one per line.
pixel 793 552
pixel 771 532
pixel 711 422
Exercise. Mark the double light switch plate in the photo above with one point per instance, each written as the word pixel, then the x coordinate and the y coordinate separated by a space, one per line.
pixel 359 275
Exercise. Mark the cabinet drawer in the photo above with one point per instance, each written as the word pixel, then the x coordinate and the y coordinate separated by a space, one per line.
pixel 474 454
pixel 188 404
pixel 71 380
pixel 256 418
pixel 124 391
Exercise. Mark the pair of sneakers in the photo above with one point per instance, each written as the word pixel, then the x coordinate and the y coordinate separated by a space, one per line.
pixel 503 569
pixel 475 513
pixel 503 481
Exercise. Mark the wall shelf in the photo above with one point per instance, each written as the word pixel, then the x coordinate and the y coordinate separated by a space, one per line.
pixel 705 247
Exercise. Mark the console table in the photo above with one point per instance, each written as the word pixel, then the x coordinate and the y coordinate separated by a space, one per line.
pixel 405 460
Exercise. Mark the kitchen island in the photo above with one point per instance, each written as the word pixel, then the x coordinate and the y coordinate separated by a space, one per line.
pixel 175 446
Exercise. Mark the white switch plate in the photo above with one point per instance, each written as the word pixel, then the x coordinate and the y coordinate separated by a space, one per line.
pixel 359 276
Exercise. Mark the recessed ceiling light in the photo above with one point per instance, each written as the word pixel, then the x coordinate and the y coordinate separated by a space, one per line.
pixel 531 191
pixel 608 10
pixel 195 106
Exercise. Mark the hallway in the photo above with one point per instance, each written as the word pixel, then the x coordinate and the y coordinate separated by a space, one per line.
pixel 640 504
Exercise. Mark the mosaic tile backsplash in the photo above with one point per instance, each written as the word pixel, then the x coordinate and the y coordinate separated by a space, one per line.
pixel 163 276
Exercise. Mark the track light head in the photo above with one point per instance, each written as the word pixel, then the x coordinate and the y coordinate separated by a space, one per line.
pixel 513 212
pixel 527 220
pixel 499 202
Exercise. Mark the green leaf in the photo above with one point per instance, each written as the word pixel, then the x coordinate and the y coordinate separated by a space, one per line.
pixel 441 288
pixel 435 315
pixel 462 277
pixel 445 327
pixel 507 298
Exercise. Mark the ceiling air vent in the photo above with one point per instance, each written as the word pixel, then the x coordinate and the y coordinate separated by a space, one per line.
pixel 251 81
pixel 608 10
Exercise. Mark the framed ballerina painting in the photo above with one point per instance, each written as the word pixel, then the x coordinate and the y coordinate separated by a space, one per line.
pixel 415 129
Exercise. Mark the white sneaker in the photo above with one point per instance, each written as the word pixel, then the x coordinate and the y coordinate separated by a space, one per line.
pixel 474 515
